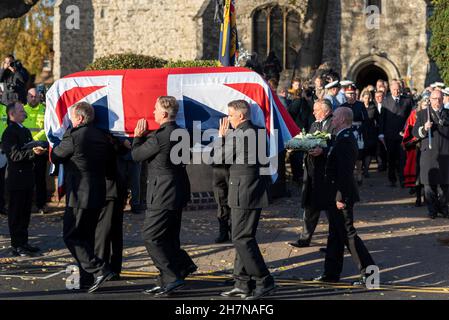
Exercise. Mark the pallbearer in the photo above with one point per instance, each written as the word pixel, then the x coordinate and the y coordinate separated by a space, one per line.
pixel 168 192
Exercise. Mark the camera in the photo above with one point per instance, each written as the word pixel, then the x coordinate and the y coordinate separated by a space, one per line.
pixel 16 64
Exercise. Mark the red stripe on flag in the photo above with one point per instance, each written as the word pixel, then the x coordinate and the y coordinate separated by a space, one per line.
pixel 289 122
pixel 256 93
pixel 140 92
pixel 70 97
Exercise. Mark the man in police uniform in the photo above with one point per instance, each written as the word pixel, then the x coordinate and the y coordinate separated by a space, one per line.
pixel 3 161
pixel 333 89
pixel 247 196
pixel 168 192
pixel 35 110
pixel 446 98
pixel 342 195
pixel 313 187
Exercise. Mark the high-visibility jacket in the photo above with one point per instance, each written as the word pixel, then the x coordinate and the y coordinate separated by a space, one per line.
pixel 3 119
pixel 35 121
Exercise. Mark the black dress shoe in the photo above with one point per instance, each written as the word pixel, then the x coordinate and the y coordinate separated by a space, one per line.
pixel 170 288
pixel 115 277
pixel 21 252
pixel 323 250
pixel 31 248
pixel 432 216
pixel 259 293
pixel 300 244
pixel 153 290
pixel 236 292
pixel 222 238
pixel 418 203
pixel 360 282
pixel 100 280
pixel 326 278
pixel 189 270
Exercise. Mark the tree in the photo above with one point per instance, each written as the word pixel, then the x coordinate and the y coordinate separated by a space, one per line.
pixel 15 8
pixel 29 38
pixel 439 42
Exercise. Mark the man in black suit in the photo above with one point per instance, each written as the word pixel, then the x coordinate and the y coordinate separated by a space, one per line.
pixel 395 112
pixel 342 195
pixel 19 178
pixel 109 232
pixel 168 192
pixel 434 160
pixel 85 151
pixel 313 186
pixel 247 196
pixel 301 112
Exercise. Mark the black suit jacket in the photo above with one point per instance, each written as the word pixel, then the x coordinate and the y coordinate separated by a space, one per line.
pixel 168 183
pixel 313 186
pixel 393 116
pixel 19 173
pixel 434 163
pixel 340 164
pixel 247 188
pixel 85 152
pixel 301 113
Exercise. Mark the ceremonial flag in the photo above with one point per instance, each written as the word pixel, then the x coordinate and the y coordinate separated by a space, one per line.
pixel 228 51
pixel 120 98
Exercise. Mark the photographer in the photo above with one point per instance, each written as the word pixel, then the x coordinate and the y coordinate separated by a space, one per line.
pixel 14 77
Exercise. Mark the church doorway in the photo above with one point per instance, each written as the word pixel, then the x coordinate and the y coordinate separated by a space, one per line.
pixel 369 76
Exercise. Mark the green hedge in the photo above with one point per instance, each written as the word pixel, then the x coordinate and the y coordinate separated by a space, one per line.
pixel 439 43
pixel 138 61
pixel 192 64
pixel 126 61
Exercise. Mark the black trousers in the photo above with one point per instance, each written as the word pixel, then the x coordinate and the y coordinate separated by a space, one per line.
pixel 109 235
pixel 437 198
pixel 309 222
pixel 396 160
pixel 341 233
pixel 161 236
pixel 40 178
pixel 296 162
pixel 2 187
pixel 19 214
pixel 249 265
pixel 220 187
pixel 382 154
pixel 79 236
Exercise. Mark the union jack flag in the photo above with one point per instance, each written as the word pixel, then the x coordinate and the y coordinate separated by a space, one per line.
pixel 120 98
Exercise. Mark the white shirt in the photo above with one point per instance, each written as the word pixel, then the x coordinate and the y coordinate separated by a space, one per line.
pixel 379 107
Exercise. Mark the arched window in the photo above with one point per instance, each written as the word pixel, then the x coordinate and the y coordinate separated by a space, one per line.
pixel 276 28
pixel 377 3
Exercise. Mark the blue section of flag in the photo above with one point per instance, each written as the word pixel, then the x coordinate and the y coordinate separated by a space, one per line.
pixel 196 111
pixel 101 113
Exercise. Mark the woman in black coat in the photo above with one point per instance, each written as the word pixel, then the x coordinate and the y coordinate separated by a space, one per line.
pixel 372 131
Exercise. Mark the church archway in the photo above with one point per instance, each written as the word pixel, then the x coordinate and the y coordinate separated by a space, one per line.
pixel 369 67
pixel 369 76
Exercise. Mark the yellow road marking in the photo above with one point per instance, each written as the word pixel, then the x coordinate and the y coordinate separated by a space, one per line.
pixel 291 282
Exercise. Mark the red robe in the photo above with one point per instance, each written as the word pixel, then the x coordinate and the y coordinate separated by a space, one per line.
pixel 409 143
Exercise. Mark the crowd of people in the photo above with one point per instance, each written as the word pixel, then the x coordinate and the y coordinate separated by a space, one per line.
pixel 407 135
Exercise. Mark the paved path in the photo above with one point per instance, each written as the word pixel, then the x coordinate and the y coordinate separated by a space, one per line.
pixel 400 237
